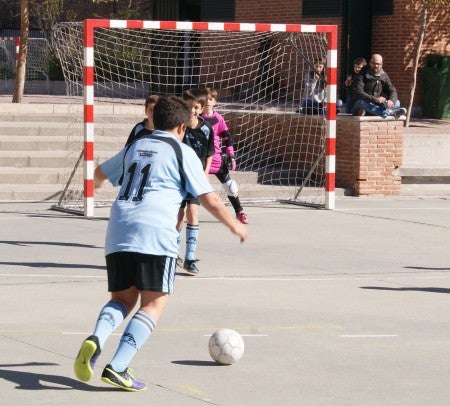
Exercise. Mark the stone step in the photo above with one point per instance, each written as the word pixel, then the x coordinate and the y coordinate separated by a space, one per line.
pixel 35 159
pixel 27 175
pixel 48 129
pixel 420 181
pixel 56 143
pixel 51 109
pixel 43 192
pixel 51 175
pixel 58 175
pixel 430 172
pixel 426 150
pixel 425 189
pixel 44 183
pixel 426 165
pixel 30 192
pixel 67 118
pixel 29 118
pixel 34 140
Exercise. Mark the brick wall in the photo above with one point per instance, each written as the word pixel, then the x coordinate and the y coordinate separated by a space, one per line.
pixel 275 11
pixel 369 152
pixel 290 141
pixel 394 36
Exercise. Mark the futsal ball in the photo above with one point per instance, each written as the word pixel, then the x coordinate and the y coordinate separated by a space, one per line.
pixel 226 346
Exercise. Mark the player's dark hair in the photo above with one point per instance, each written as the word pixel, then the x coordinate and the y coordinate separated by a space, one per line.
pixel 359 61
pixel 169 112
pixel 211 92
pixel 197 95
pixel 152 99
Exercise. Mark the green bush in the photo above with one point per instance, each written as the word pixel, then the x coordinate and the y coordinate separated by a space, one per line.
pixel 6 71
pixel 55 71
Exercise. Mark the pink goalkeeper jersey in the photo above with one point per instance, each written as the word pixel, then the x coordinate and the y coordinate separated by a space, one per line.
pixel 220 136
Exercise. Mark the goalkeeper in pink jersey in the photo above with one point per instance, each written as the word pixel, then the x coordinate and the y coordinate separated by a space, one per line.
pixel 223 159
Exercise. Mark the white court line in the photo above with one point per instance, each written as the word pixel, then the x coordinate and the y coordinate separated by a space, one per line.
pixel 392 208
pixel 247 279
pixel 343 278
pixel 266 335
pixel 243 335
pixel 51 275
pixel 205 335
pixel 362 208
pixel 368 335
pixel 86 334
pixel 13 218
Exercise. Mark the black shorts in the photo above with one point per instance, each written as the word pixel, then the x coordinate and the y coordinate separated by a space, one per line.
pixel 189 199
pixel 147 272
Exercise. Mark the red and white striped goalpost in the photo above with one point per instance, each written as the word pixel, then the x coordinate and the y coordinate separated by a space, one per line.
pixel 16 43
pixel 88 86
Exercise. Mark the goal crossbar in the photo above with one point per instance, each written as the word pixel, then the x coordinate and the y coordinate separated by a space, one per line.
pixel 89 27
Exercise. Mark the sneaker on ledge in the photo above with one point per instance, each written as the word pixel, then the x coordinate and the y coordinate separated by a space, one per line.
pixel 123 380
pixel 360 112
pixel 399 112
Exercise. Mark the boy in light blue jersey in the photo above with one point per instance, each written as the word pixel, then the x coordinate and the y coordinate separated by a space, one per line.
pixel 154 173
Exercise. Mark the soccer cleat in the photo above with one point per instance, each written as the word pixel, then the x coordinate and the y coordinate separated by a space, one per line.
pixel 399 112
pixel 360 112
pixel 123 380
pixel 190 267
pixel 85 361
pixel 242 217
pixel 179 262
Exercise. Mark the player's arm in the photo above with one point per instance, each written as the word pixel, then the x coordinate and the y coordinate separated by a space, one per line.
pixel 390 91
pixel 227 141
pixel 213 203
pixel 99 178
pixel 228 149
pixel 228 155
pixel 210 151
pixel 111 170
pixel 310 87
pixel 208 164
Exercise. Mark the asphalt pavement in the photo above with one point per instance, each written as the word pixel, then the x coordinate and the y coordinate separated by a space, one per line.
pixel 342 307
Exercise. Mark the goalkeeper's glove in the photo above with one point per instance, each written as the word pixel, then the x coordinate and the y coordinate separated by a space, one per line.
pixel 230 158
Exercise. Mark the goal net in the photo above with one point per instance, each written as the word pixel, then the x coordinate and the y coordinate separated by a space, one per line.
pixel 37 69
pixel 259 71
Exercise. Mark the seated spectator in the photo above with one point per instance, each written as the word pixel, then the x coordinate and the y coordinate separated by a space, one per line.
pixel 313 101
pixel 373 92
pixel 358 64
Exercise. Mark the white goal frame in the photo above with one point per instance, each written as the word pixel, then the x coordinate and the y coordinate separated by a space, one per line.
pixel 89 26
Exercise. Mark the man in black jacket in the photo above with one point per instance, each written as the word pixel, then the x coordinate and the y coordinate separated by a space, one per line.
pixel 373 92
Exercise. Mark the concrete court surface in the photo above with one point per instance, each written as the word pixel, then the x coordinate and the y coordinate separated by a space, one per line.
pixel 343 307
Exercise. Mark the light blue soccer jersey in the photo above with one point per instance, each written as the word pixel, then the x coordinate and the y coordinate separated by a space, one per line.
pixel 144 216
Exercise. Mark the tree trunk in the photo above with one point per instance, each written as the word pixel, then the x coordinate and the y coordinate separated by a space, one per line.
pixel 22 61
pixel 423 24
